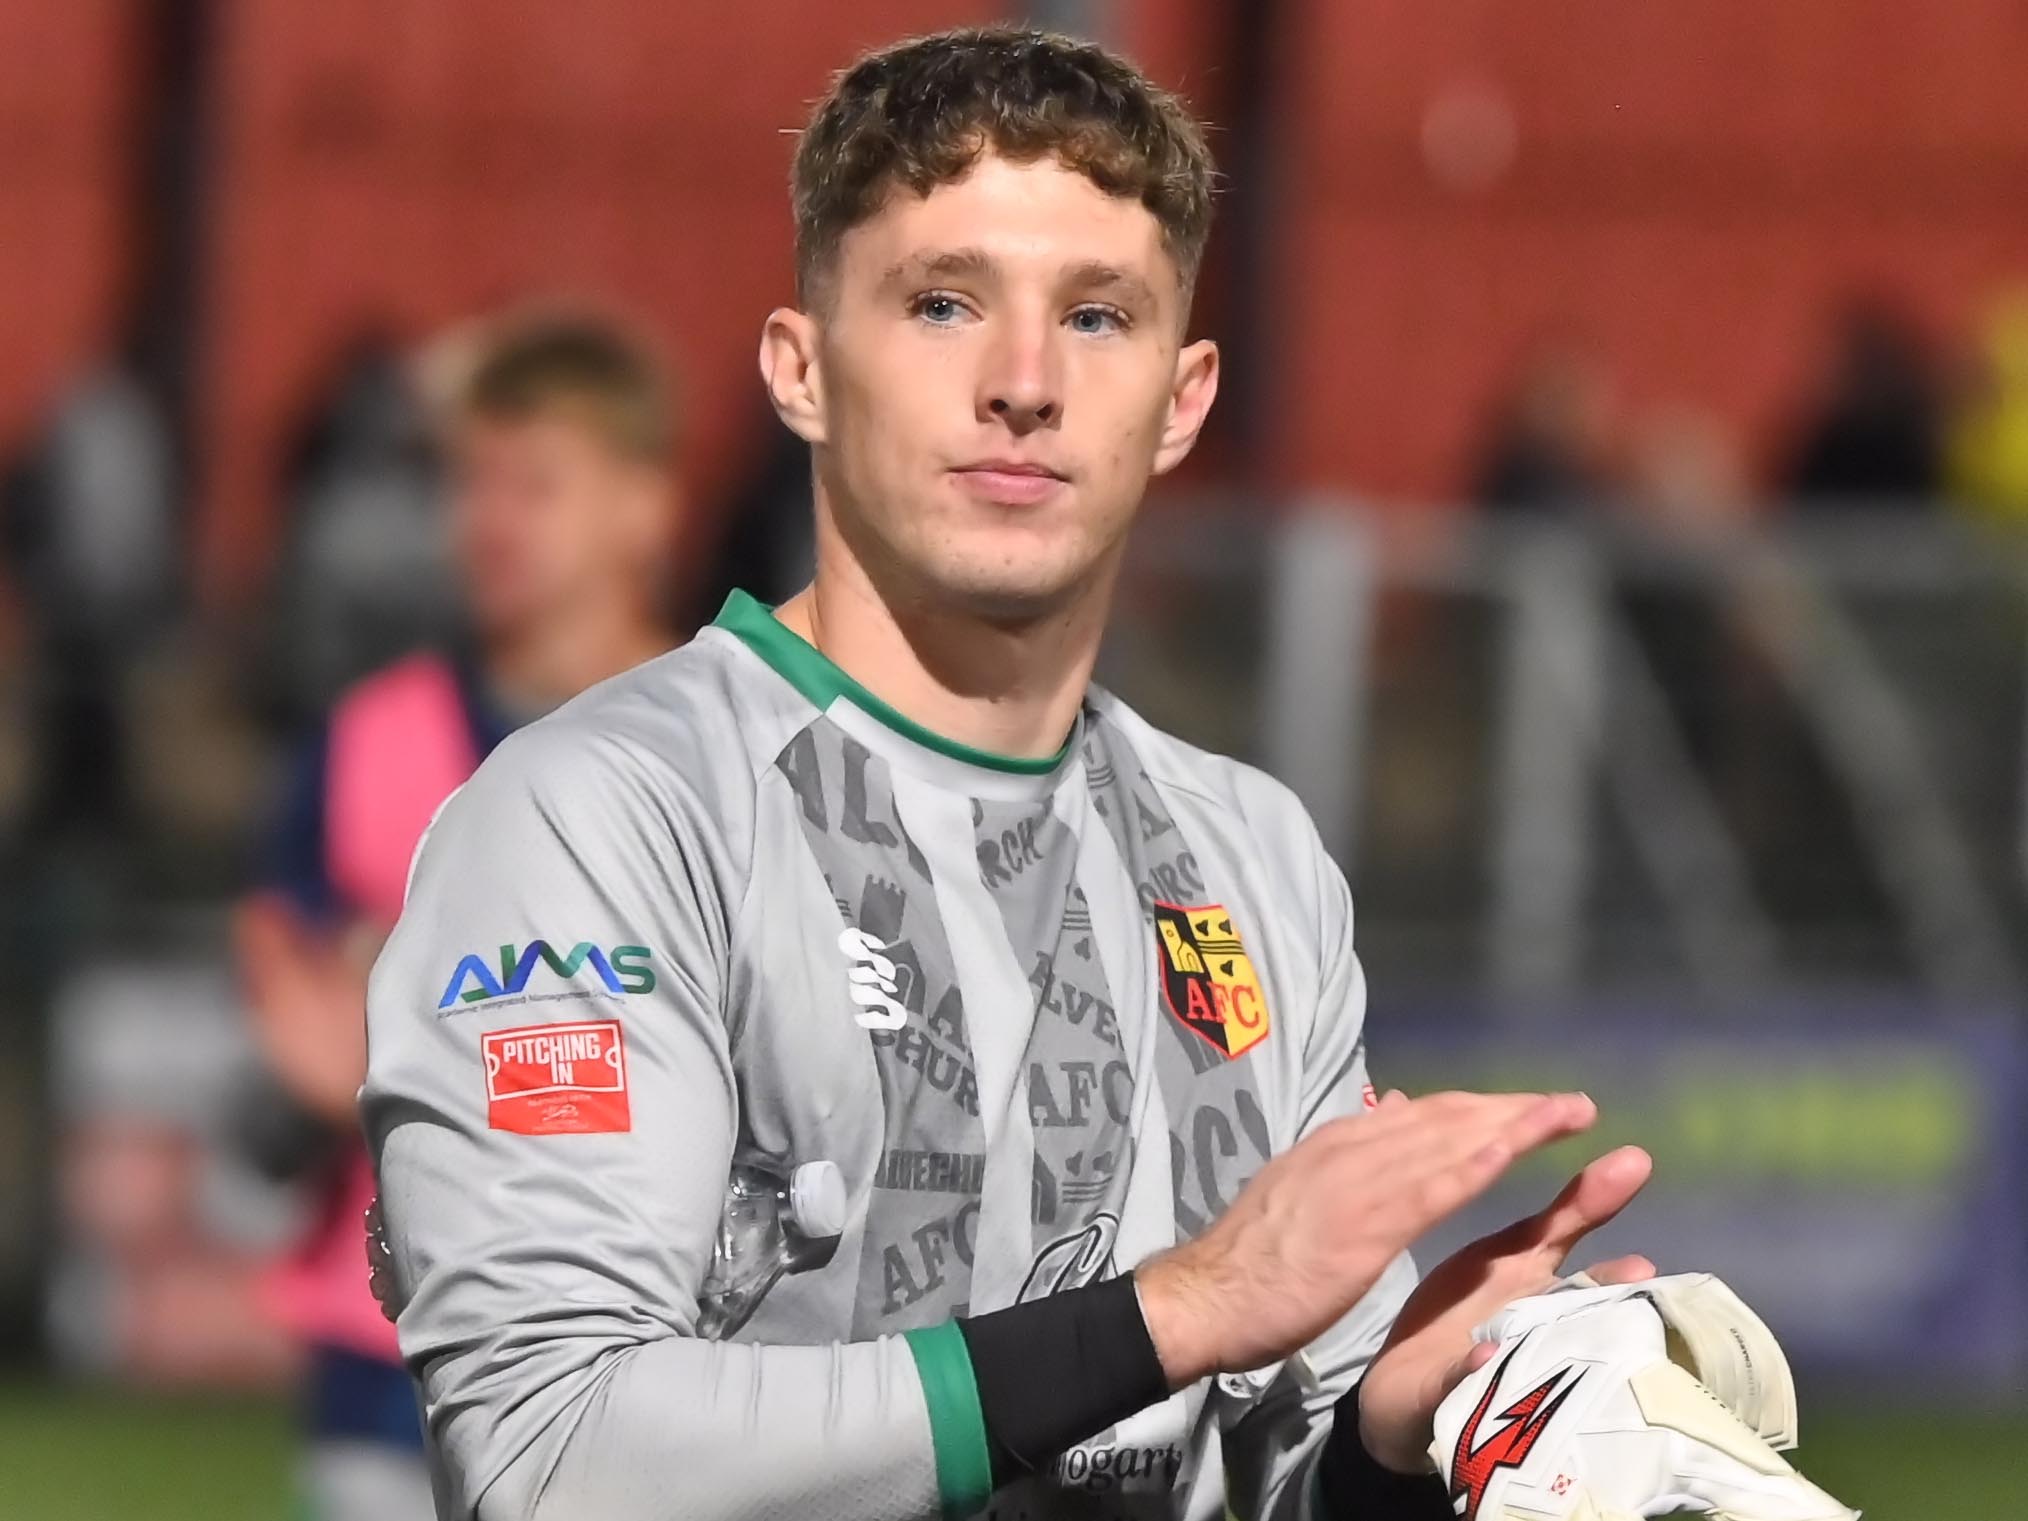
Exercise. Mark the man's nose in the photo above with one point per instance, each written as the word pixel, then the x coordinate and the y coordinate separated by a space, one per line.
pixel 1023 380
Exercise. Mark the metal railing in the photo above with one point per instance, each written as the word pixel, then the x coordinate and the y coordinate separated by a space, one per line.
pixel 1556 754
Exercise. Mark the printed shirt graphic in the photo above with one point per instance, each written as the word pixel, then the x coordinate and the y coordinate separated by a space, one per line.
pixel 557 1079
pixel 1208 980
pixel 1047 1017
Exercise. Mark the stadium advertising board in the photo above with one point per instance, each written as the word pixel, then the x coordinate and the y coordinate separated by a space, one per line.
pixel 1865 1187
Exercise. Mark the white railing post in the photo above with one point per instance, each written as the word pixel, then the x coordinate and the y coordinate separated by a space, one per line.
pixel 1320 606
pixel 1550 707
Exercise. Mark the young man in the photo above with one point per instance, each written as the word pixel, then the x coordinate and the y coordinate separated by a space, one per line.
pixel 562 508
pixel 1072 1005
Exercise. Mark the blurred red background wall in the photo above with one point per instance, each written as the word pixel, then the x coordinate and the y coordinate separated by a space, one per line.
pixel 400 164
pixel 66 76
pixel 1688 185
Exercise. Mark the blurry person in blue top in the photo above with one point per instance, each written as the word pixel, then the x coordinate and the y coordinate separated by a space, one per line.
pixel 565 516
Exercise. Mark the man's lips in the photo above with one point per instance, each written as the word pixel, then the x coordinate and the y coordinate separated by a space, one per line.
pixel 1015 482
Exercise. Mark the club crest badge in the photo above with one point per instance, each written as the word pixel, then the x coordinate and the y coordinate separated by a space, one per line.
pixel 1208 980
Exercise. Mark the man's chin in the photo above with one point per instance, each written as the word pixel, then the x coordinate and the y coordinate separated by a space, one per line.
pixel 998 596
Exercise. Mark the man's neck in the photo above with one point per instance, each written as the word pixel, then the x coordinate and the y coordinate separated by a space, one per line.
pixel 549 663
pixel 1013 690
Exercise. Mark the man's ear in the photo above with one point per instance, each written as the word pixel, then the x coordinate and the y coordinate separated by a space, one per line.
pixel 1190 398
pixel 791 372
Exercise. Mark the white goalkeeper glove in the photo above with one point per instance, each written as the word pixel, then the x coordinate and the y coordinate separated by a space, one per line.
pixel 1594 1411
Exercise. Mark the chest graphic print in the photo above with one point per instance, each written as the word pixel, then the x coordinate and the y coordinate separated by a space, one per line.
pixel 1080 1085
pixel 896 963
pixel 898 980
pixel 1213 1008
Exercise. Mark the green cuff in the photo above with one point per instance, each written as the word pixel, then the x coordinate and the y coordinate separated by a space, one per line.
pixel 957 1424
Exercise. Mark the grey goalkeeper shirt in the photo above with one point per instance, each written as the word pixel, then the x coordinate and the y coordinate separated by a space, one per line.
pixel 1046 1016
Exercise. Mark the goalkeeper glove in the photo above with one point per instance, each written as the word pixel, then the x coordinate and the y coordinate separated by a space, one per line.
pixel 1593 1410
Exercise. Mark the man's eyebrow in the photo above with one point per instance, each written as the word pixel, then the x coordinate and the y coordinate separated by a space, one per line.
pixel 1097 275
pixel 931 263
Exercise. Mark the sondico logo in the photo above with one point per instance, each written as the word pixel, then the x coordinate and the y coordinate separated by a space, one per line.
pixel 871 981
pixel 624 970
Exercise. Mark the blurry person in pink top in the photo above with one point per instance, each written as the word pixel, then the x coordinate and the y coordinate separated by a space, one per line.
pixel 565 518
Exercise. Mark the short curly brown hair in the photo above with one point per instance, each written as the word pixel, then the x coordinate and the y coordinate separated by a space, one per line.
pixel 919 113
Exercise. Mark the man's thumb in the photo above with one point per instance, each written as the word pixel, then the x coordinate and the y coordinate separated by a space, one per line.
pixel 1604 1188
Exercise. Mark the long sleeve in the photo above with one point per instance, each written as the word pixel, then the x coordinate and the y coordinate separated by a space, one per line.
pixel 1271 1453
pixel 551 1108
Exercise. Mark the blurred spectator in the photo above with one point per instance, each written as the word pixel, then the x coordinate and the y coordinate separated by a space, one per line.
pixel 1550 443
pixel 106 549
pixel 365 570
pixel 563 518
pixel 1989 436
pixel 1686 472
pixel 165 1229
pixel 1871 428
pixel 89 520
pixel 1687 484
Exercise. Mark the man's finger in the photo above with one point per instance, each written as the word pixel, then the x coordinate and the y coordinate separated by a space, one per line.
pixel 1548 1118
pixel 1521 1121
pixel 1633 1269
pixel 1456 1122
pixel 1604 1188
pixel 1456 1182
pixel 1558 1115
pixel 1446 1149
pixel 1454 1137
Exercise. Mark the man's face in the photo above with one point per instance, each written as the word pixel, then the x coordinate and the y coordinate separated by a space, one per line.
pixel 998 374
pixel 548 520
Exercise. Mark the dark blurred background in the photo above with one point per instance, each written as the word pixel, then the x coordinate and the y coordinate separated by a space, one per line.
pixel 1612 526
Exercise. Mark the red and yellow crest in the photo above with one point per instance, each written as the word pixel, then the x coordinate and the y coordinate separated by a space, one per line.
pixel 1208 980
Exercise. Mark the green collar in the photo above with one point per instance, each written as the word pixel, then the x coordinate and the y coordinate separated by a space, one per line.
pixel 810 672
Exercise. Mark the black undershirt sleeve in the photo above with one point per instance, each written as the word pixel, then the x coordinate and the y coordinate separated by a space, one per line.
pixel 1054 1371
pixel 1356 1486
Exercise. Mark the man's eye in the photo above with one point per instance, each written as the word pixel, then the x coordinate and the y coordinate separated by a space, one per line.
pixel 940 311
pixel 1097 320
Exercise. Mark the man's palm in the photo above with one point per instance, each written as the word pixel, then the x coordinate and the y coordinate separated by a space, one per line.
pixel 1430 1347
